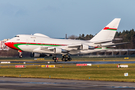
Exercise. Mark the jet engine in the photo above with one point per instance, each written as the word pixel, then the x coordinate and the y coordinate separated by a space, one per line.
pixel 84 47
pixel 57 50
pixel 39 55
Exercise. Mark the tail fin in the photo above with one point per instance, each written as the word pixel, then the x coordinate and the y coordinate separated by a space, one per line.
pixel 107 33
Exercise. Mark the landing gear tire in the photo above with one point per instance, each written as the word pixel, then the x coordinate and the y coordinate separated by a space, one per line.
pixel 66 58
pixel 55 59
pixel 69 59
pixel 20 56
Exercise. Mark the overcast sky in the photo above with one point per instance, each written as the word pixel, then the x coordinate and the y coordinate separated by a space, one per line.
pixel 55 18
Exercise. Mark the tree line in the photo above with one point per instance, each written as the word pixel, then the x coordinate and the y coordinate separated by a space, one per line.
pixel 125 36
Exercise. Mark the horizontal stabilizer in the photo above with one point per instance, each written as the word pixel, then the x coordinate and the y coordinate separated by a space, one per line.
pixel 114 44
pixel 101 42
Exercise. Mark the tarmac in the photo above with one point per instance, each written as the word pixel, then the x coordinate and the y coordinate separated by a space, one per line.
pixel 7 83
pixel 68 62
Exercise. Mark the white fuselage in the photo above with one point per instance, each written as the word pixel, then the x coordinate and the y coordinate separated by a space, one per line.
pixel 35 43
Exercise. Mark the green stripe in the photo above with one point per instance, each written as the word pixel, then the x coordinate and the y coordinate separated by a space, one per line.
pixel 112 29
pixel 17 45
pixel 98 48
pixel 101 48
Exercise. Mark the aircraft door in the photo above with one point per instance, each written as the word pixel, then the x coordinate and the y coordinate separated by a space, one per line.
pixel 27 44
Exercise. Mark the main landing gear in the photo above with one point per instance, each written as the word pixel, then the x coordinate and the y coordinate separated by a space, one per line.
pixel 66 58
pixel 55 58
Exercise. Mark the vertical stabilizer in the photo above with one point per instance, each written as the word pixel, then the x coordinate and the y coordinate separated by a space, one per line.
pixel 107 33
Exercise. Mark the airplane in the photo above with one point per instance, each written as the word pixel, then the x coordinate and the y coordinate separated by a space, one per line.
pixel 42 45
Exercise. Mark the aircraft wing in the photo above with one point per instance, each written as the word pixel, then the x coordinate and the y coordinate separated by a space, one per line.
pixel 60 49
pixel 74 46
pixel 49 49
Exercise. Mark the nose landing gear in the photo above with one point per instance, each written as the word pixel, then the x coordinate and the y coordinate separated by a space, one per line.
pixel 20 53
pixel 65 58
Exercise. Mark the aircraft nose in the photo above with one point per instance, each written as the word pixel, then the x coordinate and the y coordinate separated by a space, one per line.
pixel 6 43
pixel 11 45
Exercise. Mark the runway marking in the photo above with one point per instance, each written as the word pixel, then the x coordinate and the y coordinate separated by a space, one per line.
pixel 123 87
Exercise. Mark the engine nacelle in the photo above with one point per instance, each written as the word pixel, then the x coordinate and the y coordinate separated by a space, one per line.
pixel 84 47
pixel 57 50
pixel 36 55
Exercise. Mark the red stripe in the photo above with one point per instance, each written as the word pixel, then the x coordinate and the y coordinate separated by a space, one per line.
pixel 11 44
pixel 33 43
pixel 109 28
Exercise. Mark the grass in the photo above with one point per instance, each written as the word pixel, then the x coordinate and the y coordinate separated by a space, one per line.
pixel 104 72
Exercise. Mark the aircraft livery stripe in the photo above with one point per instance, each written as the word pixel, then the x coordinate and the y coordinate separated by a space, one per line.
pixel 107 28
pixel 15 45
pixel 101 48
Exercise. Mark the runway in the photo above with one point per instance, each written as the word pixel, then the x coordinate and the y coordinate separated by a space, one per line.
pixel 7 83
pixel 57 84
pixel 71 62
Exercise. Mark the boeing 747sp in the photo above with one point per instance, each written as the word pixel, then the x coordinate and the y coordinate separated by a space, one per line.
pixel 40 44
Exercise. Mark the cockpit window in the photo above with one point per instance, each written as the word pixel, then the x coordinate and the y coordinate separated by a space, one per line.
pixel 16 36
